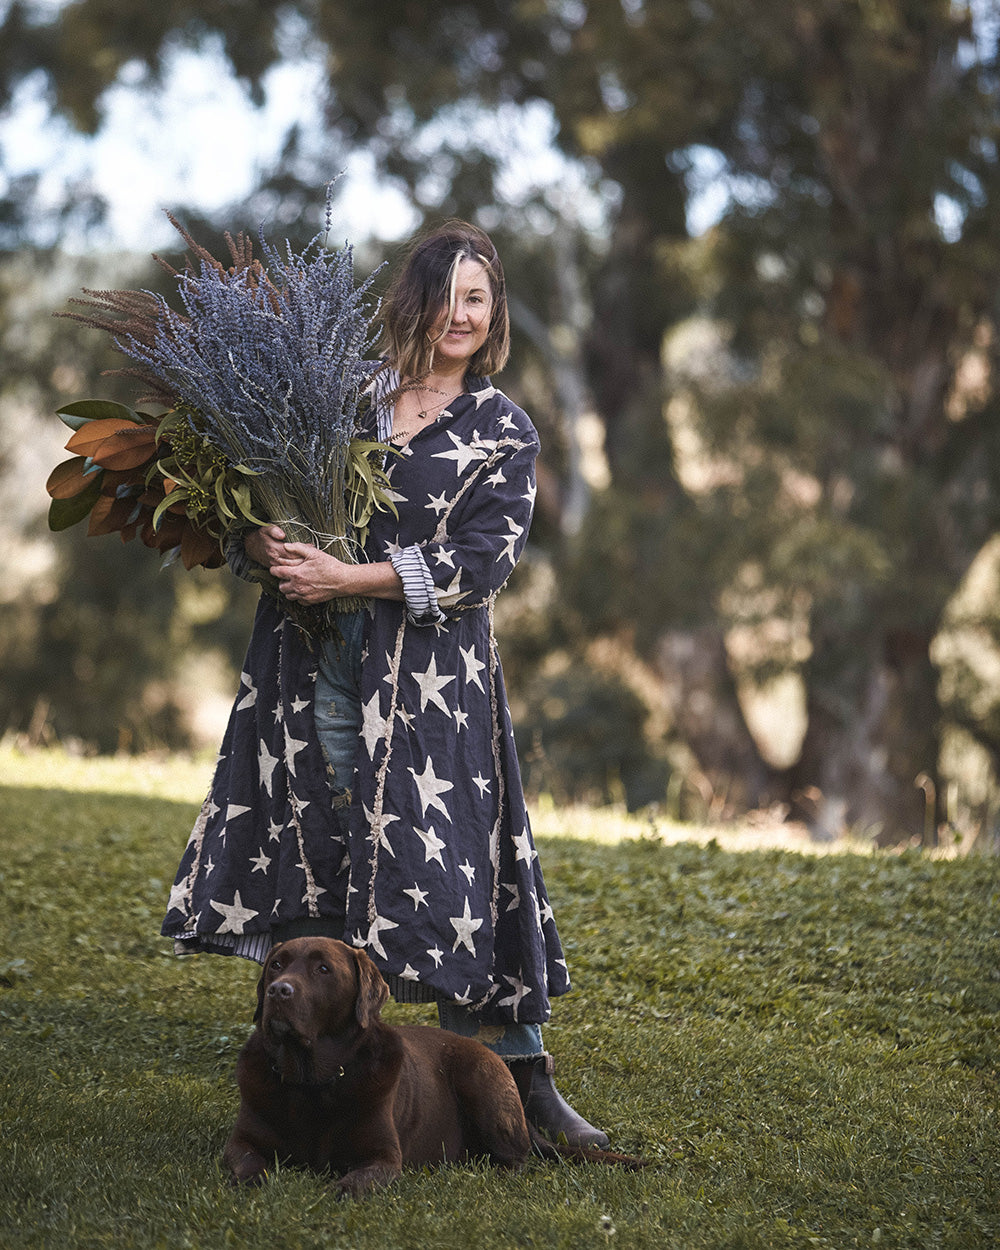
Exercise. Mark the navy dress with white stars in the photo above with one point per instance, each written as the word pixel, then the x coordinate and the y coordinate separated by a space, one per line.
pixel 434 872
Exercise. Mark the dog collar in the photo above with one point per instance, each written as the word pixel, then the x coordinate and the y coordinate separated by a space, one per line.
pixel 331 1080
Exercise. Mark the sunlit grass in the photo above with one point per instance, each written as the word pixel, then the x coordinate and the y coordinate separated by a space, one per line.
pixel 805 1047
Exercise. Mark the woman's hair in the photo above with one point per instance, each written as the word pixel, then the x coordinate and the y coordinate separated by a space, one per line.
pixel 426 284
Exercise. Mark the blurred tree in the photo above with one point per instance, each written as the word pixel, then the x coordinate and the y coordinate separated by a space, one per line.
pixel 821 478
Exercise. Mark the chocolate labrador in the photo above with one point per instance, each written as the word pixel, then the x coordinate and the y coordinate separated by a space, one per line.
pixel 326 1084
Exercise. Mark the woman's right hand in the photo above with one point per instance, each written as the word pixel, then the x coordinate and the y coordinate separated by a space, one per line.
pixel 266 546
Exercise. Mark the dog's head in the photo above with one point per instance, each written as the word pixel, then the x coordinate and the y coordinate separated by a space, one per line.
pixel 315 998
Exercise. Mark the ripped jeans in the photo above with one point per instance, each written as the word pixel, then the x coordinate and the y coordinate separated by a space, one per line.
pixel 338 723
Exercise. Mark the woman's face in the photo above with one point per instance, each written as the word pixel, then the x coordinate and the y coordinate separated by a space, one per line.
pixel 458 341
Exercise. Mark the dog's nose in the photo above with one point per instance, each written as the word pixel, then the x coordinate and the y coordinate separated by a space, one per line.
pixel 280 989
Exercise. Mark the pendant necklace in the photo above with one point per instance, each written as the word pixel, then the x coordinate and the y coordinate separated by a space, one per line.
pixel 404 434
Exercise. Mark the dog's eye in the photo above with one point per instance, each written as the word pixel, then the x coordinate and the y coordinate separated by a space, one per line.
pixel 323 967
pixel 274 965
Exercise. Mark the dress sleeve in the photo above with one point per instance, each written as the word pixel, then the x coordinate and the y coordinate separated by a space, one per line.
pixel 482 532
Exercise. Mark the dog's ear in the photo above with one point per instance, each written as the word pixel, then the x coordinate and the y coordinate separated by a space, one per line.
pixel 258 1014
pixel 372 989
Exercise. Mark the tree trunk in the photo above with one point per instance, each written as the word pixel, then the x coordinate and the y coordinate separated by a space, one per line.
pixel 868 763
pixel 707 716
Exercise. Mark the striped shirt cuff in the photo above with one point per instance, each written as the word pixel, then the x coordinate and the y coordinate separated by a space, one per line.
pixel 419 591
pixel 238 560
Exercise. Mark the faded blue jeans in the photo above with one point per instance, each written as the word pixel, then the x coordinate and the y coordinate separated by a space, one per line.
pixel 338 723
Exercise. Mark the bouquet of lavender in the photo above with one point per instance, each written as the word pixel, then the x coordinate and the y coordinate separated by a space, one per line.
pixel 263 370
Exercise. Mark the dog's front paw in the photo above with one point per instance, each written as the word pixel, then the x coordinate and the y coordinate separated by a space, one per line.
pixel 248 1168
pixel 363 1180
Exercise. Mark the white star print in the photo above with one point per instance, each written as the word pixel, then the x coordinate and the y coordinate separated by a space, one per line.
pixel 438 504
pixel 453 592
pixel 530 492
pixel 178 894
pixel 507 422
pixel 436 955
pixel 468 870
pixel 464 927
pixel 387 819
pixel 261 862
pixel 473 667
pixel 525 850
pixel 236 915
pixel 520 991
pixel 497 479
pixel 444 555
pixel 250 698
pixel 515 532
pixel 461 719
pixel 373 725
pixel 378 926
pixel 484 786
pixel 515 893
pixel 430 787
pixel 418 895
pixel 431 686
pixel 292 747
pixel 462 453
pixel 266 763
pixel 274 831
pixel 409 974
pixel 233 810
pixel 299 705
pixel 433 845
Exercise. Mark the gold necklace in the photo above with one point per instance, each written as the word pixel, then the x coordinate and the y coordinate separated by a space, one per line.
pixel 407 432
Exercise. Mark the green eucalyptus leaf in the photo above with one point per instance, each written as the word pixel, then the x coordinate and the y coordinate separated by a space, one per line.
pixel 175 496
pixel 220 499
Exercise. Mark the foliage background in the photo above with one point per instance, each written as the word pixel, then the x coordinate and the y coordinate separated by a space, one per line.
pixel 764 568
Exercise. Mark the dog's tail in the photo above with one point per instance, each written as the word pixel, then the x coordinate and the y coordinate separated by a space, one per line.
pixel 582 1154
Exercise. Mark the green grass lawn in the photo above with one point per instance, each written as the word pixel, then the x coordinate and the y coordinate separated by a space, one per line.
pixel 805 1047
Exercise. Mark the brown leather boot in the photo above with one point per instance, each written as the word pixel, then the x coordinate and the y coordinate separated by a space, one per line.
pixel 547 1110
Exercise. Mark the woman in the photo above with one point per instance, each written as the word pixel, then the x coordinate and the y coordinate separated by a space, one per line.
pixel 368 787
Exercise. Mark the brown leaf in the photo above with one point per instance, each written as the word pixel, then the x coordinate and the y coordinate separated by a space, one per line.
pixel 89 436
pixel 197 547
pixel 68 479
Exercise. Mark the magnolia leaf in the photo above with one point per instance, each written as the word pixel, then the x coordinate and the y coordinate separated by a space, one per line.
pixel 76 415
pixel 127 449
pixel 70 478
pixel 88 439
pixel 99 514
pixel 66 512
pixel 197 547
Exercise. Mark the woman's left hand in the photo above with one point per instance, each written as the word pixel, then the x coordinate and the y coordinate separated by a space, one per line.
pixel 307 575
